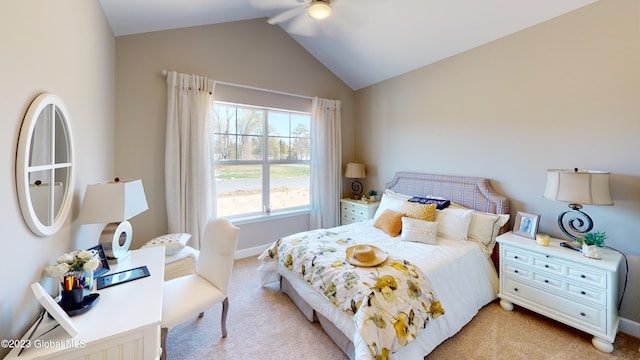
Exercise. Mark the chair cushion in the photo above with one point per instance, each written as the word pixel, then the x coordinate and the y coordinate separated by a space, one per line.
pixel 185 297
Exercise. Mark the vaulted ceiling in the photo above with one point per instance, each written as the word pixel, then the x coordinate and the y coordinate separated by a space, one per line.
pixel 363 41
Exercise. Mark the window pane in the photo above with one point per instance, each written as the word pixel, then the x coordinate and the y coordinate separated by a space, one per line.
pixel 238 189
pixel 289 185
pixel 250 121
pixel 279 124
pixel 224 119
pixel 279 148
pixel 249 147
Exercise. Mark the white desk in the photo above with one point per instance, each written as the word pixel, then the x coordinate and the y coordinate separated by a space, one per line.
pixel 124 324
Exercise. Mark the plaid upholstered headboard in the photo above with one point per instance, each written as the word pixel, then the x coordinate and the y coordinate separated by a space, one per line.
pixel 472 192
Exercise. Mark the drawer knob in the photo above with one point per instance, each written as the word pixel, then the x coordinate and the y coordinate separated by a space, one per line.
pixel 583 314
pixel 583 276
pixel 583 293
pixel 515 257
pixel 546 265
pixel 515 289
pixel 515 271
pixel 546 281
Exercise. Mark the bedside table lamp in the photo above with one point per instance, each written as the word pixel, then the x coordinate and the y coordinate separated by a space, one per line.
pixel 114 203
pixel 577 187
pixel 355 171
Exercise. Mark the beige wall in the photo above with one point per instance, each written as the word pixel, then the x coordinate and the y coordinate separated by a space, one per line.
pixel 65 48
pixel 251 53
pixel 563 94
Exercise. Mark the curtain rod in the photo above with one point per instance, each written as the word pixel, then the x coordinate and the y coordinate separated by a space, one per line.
pixel 165 72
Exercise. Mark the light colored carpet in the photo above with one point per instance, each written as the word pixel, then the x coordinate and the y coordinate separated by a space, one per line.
pixel 264 324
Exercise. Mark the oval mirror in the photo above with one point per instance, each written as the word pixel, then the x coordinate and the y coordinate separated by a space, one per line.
pixel 44 165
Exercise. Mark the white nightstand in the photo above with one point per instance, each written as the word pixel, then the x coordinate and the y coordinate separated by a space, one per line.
pixel 352 211
pixel 562 284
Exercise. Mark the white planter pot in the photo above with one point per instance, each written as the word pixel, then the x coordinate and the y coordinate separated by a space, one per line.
pixel 591 251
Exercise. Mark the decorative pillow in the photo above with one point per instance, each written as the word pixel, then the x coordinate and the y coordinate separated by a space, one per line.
pixel 453 223
pixel 440 203
pixel 390 222
pixel 420 211
pixel 419 231
pixel 485 227
pixel 172 242
pixel 391 200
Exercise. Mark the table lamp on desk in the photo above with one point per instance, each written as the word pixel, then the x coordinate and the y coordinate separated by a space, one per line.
pixel 114 203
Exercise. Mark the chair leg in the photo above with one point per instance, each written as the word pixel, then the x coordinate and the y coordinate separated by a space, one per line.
pixel 163 339
pixel 225 308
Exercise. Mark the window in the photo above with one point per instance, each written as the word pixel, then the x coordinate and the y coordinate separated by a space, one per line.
pixel 261 159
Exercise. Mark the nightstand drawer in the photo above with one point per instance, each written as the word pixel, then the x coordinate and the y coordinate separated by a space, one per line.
pixel 595 296
pixel 353 211
pixel 583 314
pixel 544 265
pixel 514 270
pixel 516 256
pixel 588 277
pixel 547 281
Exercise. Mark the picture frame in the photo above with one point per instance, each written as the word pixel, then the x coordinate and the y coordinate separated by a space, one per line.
pixel 56 312
pixel 526 225
pixel 103 268
pixel 122 277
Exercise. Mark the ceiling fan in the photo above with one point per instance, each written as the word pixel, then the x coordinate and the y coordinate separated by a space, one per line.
pixel 317 9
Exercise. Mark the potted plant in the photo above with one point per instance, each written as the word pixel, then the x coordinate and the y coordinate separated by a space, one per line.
pixel 591 242
pixel 372 195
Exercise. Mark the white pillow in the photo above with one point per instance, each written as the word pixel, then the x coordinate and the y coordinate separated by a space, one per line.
pixel 397 195
pixel 419 231
pixel 391 200
pixel 453 223
pixel 172 242
pixel 485 227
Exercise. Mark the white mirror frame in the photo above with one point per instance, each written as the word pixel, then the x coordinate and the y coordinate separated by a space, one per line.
pixel 55 219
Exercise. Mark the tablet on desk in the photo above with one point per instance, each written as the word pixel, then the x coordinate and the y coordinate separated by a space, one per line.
pixel 122 277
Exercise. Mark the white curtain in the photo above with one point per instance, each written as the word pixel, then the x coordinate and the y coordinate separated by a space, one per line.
pixel 189 175
pixel 326 163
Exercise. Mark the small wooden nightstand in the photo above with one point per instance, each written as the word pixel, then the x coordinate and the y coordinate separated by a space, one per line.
pixel 562 284
pixel 352 211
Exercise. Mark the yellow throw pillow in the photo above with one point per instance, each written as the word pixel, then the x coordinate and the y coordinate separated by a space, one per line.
pixel 390 222
pixel 426 212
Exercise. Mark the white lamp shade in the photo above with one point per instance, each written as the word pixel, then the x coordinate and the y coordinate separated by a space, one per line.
pixel 113 201
pixel 355 171
pixel 319 9
pixel 585 187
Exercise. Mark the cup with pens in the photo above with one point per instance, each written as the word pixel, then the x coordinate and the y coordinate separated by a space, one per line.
pixel 73 288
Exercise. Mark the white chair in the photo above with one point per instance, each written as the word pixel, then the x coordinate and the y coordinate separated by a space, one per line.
pixel 186 296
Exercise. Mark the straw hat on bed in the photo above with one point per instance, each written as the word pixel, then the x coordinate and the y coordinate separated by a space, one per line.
pixel 365 255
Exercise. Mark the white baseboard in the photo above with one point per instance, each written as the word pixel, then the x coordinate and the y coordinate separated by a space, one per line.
pixel 254 251
pixel 629 327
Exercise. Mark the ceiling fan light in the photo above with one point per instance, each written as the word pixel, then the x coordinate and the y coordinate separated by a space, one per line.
pixel 319 9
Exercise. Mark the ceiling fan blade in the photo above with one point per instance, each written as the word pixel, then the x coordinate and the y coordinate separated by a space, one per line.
pixel 303 26
pixel 276 4
pixel 282 17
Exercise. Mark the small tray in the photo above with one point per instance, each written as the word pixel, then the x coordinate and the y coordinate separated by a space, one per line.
pixel 81 308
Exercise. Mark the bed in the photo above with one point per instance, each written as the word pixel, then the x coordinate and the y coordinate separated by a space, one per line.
pixel 448 260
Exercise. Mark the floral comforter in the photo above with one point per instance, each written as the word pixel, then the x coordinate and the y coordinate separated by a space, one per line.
pixel 390 303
